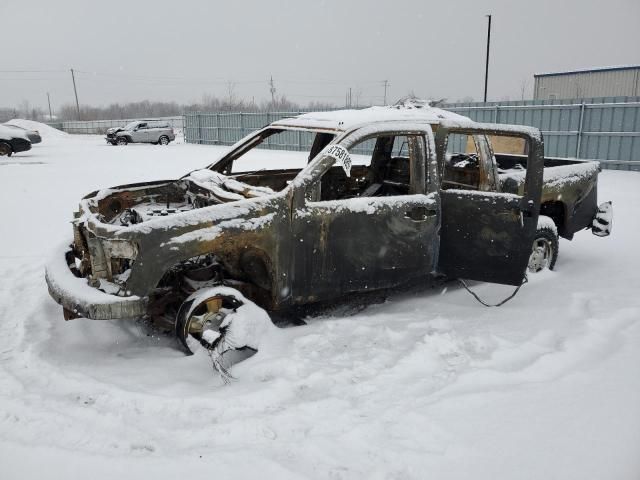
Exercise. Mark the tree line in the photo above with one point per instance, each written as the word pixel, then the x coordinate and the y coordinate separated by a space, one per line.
pixel 152 109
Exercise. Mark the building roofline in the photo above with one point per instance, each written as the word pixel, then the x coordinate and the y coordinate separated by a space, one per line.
pixel 588 70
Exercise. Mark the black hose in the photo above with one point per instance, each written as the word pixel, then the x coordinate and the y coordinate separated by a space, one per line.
pixel 463 283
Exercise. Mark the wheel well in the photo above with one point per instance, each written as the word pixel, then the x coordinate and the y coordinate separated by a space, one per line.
pixel 256 266
pixel 555 211
pixel 180 280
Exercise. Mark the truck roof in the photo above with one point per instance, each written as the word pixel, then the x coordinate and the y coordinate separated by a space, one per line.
pixel 342 120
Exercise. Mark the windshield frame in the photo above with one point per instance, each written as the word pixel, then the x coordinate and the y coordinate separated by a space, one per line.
pixel 258 137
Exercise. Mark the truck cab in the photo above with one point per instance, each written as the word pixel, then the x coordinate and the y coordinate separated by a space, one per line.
pixel 404 209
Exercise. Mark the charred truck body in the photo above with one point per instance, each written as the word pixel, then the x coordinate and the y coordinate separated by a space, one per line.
pixel 383 197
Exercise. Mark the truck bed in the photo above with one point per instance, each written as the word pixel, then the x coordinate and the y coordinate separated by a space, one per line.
pixel 569 191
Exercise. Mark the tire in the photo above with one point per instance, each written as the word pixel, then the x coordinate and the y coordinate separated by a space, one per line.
pixel 121 141
pixel 163 140
pixel 5 149
pixel 544 251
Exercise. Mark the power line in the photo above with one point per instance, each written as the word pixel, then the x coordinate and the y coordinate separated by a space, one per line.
pixel 329 96
pixel 32 71
pixel 27 79
pixel 217 80
pixel 201 79
pixel 223 81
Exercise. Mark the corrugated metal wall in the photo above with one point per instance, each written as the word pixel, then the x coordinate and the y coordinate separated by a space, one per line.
pixel 588 84
pixel 606 129
pixel 226 128
pixel 100 126
pixel 229 127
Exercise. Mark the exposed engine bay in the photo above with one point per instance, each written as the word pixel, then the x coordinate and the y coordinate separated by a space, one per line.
pixel 138 203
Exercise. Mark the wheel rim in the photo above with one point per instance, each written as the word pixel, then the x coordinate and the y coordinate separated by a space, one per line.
pixel 199 328
pixel 122 142
pixel 164 141
pixel 202 327
pixel 541 255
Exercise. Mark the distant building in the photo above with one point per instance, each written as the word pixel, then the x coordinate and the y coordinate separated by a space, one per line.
pixel 596 82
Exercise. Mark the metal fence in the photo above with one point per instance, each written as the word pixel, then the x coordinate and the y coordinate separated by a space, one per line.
pixel 226 128
pixel 229 127
pixel 100 126
pixel 605 129
pixel 608 131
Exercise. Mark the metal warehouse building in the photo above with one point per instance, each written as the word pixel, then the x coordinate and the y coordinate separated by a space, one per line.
pixel 597 82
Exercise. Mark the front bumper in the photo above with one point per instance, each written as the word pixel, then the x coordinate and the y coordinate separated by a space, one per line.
pixel 80 299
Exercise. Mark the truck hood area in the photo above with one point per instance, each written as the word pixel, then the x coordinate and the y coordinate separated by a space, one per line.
pixel 133 204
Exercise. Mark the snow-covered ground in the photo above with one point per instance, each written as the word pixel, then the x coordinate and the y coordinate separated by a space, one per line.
pixel 426 385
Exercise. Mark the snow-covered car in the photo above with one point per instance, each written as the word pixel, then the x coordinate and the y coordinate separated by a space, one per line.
pixel 144 131
pixel 12 141
pixel 385 197
pixel 33 135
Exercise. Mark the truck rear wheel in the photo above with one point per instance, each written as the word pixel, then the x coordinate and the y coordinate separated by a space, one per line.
pixel 544 251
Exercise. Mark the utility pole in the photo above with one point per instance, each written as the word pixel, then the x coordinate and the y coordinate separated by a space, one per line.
pixel 486 68
pixel 49 102
pixel 73 77
pixel 350 97
pixel 273 92
pixel 386 84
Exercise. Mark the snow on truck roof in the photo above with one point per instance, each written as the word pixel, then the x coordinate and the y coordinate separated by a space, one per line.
pixel 344 119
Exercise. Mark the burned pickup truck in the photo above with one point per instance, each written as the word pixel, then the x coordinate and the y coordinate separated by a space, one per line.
pixel 383 197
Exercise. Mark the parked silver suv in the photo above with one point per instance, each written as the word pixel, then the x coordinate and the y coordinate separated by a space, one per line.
pixel 141 131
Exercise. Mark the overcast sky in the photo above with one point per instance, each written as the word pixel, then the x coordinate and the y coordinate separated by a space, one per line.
pixel 315 50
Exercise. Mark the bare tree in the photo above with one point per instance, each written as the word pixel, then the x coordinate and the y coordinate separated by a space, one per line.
pixel 231 95
pixel 358 94
pixel 208 102
pixel 24 108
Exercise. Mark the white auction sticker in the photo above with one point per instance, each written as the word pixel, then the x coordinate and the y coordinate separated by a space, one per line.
pixel 341 155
